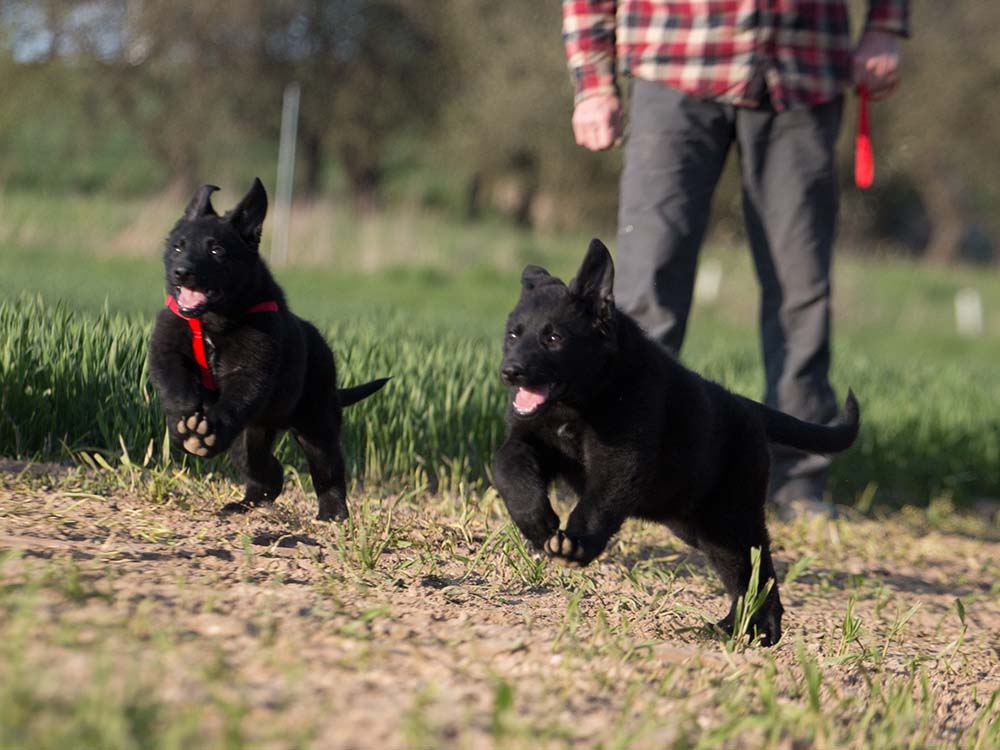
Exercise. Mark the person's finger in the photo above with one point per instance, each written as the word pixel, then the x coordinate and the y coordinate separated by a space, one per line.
pixel 882 87
pixel 580 124
pixel 585 131
pixel 591 136
pixel 873 81
pixel 888 66
pixel 884 66
pixel 873 66
pixel 883 91
pixel 881 78
pixel 604 137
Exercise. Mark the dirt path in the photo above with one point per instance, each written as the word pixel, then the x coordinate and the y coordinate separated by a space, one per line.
pixel 433 627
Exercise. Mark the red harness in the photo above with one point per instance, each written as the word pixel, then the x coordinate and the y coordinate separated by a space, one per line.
pixel 198 339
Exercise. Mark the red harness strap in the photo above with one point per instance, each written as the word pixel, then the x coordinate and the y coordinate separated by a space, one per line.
pixel 198 339
pixel 864 159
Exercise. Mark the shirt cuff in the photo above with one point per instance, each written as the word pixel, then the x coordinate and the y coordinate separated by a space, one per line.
pixel 593 80
pixel 891 17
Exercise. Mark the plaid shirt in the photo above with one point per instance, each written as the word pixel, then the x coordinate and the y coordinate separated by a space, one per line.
pixel 726 50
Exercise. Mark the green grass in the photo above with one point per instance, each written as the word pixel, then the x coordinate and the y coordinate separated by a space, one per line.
pixel 74 381
pixel 77 382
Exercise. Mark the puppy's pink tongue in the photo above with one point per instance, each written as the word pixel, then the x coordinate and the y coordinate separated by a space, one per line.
pixel 190 298
pixel 528 399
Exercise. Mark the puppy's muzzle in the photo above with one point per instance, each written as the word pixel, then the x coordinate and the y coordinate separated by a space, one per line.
pixel 181 276
pixel 512 374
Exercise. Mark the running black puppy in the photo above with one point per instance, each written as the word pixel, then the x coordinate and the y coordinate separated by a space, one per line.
pixel 600 406
pixel 234 366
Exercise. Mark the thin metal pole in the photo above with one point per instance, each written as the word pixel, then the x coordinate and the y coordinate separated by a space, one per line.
pixel 286 174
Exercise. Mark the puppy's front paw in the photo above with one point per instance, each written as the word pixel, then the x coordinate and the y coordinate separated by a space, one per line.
pixel 766 624
pixel 197 435
pixel 566 551
pixel 332 507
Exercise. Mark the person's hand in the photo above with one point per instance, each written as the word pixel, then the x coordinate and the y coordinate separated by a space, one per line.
pixel 876 63
pixel 597 121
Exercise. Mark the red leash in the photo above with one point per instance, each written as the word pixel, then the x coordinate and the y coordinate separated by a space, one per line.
pixel 198 339
pixel 864 158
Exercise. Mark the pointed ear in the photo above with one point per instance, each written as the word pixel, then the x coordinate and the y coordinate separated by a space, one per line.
pixel 533 276
pixel 594 282
pixel 201 203
pixel 247 216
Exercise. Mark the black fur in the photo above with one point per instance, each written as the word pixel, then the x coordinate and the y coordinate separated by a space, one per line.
pixel 635 435
pixel 274 371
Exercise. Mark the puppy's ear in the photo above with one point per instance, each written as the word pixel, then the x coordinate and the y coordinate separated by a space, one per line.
pixel 201 203
pixel 247 216
pixel 533 276
pixel 594 282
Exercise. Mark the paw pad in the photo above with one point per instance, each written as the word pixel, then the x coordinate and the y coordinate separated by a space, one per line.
pixel 197 433
pixel 565 550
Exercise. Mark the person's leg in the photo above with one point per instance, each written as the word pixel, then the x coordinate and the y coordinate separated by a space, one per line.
pixel 790 206
pixel 675 149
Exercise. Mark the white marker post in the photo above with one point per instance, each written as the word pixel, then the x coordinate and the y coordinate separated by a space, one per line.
pixel 708 282
pixel 969 312
pixel 286 174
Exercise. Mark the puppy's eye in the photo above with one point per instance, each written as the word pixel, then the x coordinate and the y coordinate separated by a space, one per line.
pixel 217 251
pixel 177 248
pixel 512 335
pixel 553 339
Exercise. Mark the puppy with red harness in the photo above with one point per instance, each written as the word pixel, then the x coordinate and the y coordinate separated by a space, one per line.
pixel 234 367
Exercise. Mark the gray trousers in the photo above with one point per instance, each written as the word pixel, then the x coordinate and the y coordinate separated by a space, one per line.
pixel 674 153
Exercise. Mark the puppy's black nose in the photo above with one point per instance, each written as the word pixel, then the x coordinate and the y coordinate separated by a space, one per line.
pixel 511 374
pixel 180 273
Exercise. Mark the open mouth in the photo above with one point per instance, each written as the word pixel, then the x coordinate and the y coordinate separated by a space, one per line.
pixel 528 400
pixel 191 301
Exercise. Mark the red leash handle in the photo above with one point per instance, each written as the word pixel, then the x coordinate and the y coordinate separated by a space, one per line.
pixel 864 158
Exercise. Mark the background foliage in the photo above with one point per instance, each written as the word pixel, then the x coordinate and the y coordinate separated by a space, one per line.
pixel 461 106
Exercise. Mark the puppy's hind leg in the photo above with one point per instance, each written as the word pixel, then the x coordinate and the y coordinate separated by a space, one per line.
pixel 251 453
pixel 326 466
pixel 727 544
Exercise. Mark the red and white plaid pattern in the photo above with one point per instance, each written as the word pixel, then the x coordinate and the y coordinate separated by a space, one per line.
pixel 712 48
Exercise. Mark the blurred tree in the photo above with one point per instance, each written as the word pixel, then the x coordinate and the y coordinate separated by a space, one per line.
pixel 50 102
pixel 369 70
pixel 480 87
pixel 162 65
pixel 186 75
pixel 509 117
pixel 940 147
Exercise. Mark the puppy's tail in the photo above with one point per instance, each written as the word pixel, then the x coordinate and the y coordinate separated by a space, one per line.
pixel 815 438
pixel 348 396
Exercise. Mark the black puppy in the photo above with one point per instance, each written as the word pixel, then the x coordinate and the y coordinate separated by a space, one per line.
pixel 234 366
pixel 597 404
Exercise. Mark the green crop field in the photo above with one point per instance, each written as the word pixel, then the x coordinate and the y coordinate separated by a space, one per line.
pixel 132 616
pixel 76 311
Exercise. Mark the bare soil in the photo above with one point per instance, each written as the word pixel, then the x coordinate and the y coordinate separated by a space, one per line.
pixel 425 624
